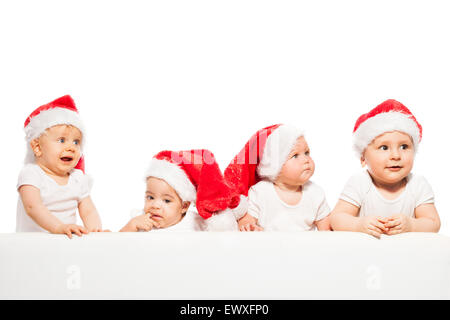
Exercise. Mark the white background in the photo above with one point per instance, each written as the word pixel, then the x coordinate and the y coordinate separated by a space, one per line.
pixel 174 75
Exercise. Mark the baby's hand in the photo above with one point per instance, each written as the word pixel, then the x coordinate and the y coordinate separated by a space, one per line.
pixel 249 223
pixel 398 223
pixel 68 229
pixel 373 225
pixel 143 222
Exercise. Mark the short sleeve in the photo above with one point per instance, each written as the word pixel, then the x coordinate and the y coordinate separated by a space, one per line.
pixel 29 175
pixel 353 190
pixel 198 223
pixel 423 193
pixel 85 186
pixel 253 206
pixel 323 209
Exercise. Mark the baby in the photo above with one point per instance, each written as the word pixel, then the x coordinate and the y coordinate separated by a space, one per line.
pixel 273 170
pixel 52 184
pixel 386 198
pixel 175 180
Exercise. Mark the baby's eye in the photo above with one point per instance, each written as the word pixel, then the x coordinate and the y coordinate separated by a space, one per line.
pixel 77 142
pixel 383 147
pixel 149 197
pixel 167 201
pixel 404 146
pixel 307 153
pixel 61 140
pixel 295 156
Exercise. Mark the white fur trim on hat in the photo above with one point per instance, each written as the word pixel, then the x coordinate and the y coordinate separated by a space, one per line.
pixel 278 146
pixel 174 176
pixel 381 123
pixel 47 119
pixel 222 221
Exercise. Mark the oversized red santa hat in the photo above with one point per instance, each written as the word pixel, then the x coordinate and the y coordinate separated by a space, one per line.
pixel 57 112
pixel 388 116
pixel 196 177
pixel 262 157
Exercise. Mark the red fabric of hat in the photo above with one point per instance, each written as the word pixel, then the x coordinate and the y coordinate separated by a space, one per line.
pixel 57 112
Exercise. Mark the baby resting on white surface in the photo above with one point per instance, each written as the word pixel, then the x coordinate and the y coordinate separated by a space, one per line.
pixel 386 198
pixel 174 180
pixel 164 210
pixel 52 184
pixel 274 171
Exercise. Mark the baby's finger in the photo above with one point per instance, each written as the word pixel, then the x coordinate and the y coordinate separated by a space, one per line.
pixel 374 229
pixel 155 223
pixel 258 228
pixel 375 233
pixel 381 226
pixel 76 230
pixel 398 228
pixel 144 227
pixel 242 227
pixel 378 227
pixel 393 223
pixel 148 226
pixel 393 232
pixel 383 219
pixel 68 233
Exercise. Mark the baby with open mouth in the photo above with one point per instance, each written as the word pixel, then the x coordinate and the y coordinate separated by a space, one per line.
pixel 174 180
pixel 52 184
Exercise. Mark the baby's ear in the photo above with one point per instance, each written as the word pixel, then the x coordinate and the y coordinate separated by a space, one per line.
pixel 185 206
pixel 36 147
pixel 363 161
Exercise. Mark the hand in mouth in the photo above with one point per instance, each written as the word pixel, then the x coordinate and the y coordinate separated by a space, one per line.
pixel 155 216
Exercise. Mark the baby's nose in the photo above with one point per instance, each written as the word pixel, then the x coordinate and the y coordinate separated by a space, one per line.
pixel 70 147
pixel 395 154
pixel 156 204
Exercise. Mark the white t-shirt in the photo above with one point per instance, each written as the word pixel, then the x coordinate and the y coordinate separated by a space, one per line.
pixel 62 201
pixel 361 192
pixel 275 215
pixel 191 221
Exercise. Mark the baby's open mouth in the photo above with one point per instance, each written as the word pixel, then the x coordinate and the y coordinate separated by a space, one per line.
pixel 66 159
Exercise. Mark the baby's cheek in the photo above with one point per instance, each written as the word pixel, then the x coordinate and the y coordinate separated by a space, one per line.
pixel 313 165
pixel 308 174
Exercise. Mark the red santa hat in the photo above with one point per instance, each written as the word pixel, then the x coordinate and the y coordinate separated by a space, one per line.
pixel 58 112
pixel 262 157
pixel 388 116
pixel 196 177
